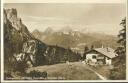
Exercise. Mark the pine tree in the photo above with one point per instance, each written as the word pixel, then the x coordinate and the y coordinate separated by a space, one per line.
pixel 121 50
pixel 92 47
pixel 85 51
pixel 120 67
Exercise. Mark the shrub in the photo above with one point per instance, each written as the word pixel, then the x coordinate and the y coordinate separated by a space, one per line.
pixel 118 73
pixel 7 75
pixel 21 66
pixel 37 74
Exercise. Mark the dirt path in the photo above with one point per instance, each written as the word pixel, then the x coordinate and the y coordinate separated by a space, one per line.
pixel 99 75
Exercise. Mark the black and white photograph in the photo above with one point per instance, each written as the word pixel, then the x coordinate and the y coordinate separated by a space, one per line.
pixel 64 41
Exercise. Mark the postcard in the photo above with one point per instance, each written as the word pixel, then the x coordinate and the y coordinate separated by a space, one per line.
pixel 63 41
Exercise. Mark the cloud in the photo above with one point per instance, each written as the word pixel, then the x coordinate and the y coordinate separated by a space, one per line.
pixel 111 29
pixel 42 23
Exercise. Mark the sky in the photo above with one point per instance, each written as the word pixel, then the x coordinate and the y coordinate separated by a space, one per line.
pixel 86 17
pixel 64 1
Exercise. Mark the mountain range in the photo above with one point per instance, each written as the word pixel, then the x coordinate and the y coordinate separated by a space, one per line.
pixel 76 40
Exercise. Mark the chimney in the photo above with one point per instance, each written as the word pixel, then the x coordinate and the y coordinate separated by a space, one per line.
pixel 102 46
pixel 107 49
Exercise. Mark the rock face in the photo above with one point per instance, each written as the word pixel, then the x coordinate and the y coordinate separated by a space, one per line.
pixel 18 40
pixel 15 36
pixel 20 45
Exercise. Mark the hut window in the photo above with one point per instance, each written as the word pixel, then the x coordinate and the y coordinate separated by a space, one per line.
pixel 94 56
pixel 108 58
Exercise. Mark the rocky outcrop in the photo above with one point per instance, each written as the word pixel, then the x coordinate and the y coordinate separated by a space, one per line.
pixel 20 45
pixel 18 41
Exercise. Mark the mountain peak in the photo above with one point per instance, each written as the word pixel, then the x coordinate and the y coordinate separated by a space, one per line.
pixel 66 29
pixel 11 15
pixel 36 31
pixel 48 30
pixel 11 12
pixel 11 18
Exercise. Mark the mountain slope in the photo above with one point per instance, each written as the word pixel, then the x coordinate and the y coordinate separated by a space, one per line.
pixel 20 45
pixel 16 35
pixel 71 71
